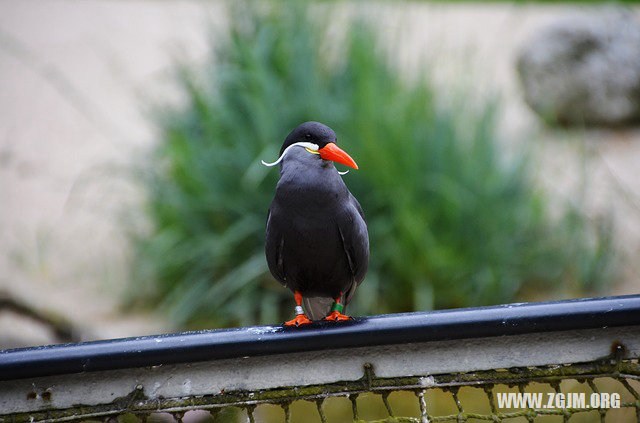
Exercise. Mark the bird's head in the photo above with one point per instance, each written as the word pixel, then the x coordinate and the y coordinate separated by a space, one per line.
pixel 315 138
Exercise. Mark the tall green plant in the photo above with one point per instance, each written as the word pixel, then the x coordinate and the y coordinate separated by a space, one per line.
pixel 451 222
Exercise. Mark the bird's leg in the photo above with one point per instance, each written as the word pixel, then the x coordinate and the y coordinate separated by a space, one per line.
pixel 336 311
pixel 301 318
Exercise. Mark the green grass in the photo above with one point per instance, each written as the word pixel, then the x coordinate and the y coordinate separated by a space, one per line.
pixel 452 222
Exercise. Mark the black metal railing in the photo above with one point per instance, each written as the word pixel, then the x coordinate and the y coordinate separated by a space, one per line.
pixel 456 365
pixel 509 319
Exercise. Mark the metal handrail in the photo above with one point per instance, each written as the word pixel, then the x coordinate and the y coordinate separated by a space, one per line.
pixel 188 347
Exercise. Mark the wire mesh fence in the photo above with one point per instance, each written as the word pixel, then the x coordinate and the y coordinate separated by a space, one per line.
pixel 604 391
pixel 581 375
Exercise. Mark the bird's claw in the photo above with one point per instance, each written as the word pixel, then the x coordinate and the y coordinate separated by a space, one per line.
pixel 336 316
pixel 299 320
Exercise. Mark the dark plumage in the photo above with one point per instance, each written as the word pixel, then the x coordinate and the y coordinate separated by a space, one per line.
pixel 316 241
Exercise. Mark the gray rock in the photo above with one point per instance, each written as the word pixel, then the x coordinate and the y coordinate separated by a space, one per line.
pixel 584 70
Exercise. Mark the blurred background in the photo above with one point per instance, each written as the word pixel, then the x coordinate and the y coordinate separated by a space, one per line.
pixel 498 145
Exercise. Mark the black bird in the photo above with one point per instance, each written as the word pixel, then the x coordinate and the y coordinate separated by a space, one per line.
pixel 317 243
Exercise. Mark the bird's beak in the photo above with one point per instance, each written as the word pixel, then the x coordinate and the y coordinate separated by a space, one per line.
pixel 332 152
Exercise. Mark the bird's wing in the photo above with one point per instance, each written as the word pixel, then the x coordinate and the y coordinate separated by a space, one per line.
pixel 274 245
pixel 355 241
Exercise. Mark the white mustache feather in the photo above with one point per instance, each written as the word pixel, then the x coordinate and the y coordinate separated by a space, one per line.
pixel 309 145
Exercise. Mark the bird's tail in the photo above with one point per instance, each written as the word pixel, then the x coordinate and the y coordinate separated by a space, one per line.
pixel 317 307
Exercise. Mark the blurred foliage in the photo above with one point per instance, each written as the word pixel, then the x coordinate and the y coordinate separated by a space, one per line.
pixel 451 221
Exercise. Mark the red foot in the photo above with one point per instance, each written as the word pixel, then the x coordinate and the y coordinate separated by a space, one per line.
pixel 301 319
pixel 336 316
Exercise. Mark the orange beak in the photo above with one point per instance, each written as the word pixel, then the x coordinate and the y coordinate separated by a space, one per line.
pixel 336 154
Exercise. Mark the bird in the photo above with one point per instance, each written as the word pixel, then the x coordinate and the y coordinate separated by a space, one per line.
pixel 317 243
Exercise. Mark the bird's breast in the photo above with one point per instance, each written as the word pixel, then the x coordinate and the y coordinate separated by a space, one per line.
pixel 312 249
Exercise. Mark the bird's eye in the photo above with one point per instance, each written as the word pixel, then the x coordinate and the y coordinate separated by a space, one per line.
pixel 307 136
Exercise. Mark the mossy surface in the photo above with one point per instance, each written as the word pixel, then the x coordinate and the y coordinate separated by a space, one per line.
pixel 137 402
